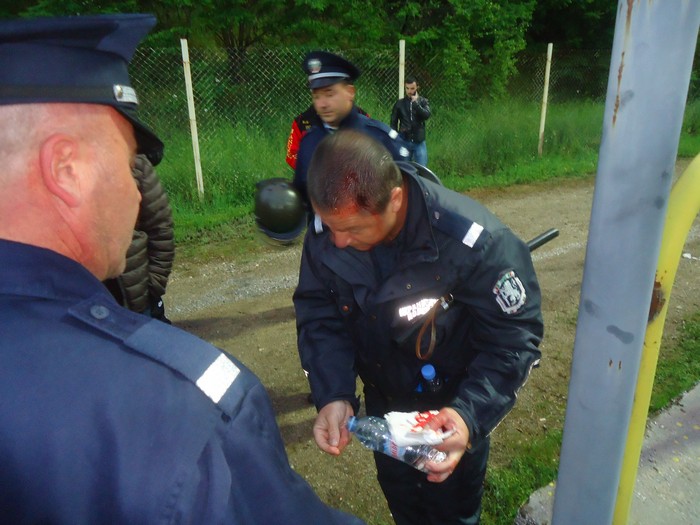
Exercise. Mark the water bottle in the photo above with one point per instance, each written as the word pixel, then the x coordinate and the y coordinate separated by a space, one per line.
pixel 373 432
pixel 431 381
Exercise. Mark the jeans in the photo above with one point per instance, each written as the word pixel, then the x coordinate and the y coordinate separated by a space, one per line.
pixel 418 152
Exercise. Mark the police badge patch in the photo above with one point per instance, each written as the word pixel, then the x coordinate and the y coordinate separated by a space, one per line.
pixel 510 292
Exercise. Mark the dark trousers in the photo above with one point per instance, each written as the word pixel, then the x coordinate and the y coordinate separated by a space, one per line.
pixel 415 501
pixel 412 499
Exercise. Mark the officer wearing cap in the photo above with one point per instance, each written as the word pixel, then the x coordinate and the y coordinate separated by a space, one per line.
pixel 107 416
pixel 331 79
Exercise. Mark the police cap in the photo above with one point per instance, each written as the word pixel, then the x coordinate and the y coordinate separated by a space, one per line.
pixel 76 59
pixel 325 69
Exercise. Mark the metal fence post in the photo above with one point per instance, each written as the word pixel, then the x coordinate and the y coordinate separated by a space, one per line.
pixel 193 117
pixel 545 94
pixel 402 66
pixel 648 84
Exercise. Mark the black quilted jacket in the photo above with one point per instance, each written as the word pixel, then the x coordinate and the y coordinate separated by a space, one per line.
pixel 149 259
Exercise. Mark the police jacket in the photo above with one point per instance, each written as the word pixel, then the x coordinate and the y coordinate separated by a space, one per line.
pixel 107 416
pixel 149 259
pixel 408 118
pixel 300 125
pixel 350 321
pixel 355 120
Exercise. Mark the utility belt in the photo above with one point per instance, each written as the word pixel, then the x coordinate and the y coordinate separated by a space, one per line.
pixel 379 402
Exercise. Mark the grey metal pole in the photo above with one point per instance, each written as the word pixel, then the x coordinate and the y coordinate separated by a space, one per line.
pixel 650 69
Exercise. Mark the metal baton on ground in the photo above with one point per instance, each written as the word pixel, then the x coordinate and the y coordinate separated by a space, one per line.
pixel 542 238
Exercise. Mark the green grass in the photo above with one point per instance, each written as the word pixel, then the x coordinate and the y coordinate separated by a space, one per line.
pixel 487 145
pixel 678 369
pixel 533 466
pixel 491 144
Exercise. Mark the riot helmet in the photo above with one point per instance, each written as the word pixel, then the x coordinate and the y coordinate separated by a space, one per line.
pixel 279 211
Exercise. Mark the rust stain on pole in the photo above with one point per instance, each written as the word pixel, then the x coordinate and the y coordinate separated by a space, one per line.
pixel 658 300
pixel 628 21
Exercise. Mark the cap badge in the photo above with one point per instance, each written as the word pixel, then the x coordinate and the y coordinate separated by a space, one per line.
pixel 125 94
pixel 314 66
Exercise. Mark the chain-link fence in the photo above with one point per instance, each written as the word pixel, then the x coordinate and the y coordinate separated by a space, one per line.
pixel 245 100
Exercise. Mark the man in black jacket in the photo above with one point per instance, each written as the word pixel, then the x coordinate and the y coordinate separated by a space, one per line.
pixel 408 117
pixel 397 272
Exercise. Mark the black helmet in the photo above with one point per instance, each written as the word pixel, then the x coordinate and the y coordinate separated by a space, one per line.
pixel 279 211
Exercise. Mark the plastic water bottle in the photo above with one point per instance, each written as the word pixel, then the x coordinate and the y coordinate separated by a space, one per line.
pixel 431 381
pixel 373 432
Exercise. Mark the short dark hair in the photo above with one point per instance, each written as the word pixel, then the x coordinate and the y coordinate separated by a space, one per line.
pixel 351 168
pixel 410 79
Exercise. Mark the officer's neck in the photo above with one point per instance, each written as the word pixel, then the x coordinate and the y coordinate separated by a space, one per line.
pixel 339 123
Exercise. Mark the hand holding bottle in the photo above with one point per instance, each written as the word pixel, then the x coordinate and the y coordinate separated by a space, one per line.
pixel 455 445
pixel 373 432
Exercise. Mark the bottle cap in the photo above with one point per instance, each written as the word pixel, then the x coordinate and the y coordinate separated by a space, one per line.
pixel 352 423
pixel 428 372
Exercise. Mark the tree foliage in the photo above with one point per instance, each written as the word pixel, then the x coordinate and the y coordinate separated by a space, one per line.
pixel 471 42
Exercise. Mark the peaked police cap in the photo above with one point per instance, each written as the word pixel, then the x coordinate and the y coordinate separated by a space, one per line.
pixel 76 59
pixel 324 69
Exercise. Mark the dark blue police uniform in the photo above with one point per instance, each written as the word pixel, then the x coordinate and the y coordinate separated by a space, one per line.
pixel 107 416
pixel 363 311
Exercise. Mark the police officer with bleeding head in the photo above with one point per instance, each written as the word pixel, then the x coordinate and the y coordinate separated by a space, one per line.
pixel 106 415
pixel 398 272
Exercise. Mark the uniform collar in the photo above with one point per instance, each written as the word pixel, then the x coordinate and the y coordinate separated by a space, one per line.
pixel 351 119
pixel 32 271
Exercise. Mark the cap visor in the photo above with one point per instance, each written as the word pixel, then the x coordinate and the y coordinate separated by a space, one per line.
pixel 325 82
pixel 147 142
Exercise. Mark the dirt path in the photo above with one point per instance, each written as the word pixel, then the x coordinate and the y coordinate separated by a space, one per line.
pixel 246 309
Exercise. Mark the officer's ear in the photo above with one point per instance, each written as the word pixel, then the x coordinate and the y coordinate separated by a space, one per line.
pixel 350 88
pixel 396 199
pixel 59 168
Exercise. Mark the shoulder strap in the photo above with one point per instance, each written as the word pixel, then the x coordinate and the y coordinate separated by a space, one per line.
pixel 217 375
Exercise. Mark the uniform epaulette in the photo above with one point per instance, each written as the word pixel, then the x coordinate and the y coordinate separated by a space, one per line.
pixel 473 233
pixel 383 126
pixel 391 133
pixel 203 364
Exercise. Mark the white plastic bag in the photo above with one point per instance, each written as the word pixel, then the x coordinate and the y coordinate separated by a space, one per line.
pixel 409 428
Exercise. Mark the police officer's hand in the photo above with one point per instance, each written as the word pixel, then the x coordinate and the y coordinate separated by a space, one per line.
pixel 330 428
pixel 455 445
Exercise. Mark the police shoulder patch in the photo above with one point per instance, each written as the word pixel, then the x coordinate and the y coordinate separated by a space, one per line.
pixel 509 292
